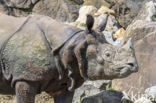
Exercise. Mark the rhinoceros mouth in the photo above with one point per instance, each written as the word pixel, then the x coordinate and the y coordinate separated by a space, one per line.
pixel 126 70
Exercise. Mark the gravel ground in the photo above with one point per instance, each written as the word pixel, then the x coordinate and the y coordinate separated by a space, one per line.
pixel 41 98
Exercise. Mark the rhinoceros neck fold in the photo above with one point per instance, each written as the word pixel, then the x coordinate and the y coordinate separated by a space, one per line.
pixel 73 34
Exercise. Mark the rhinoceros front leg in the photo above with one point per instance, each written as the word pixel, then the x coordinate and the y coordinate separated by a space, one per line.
pixel 25 92
pixel 65 97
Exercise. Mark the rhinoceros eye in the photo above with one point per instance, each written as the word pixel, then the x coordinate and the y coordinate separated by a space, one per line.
pixel 108 54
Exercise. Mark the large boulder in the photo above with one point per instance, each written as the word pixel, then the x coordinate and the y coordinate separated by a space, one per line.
pixel 40 98
pixel 126 10
pixel 96 3
pixel 108 96
pixel 151 91
pixel 148 97
pixel 90 88
pixel 143 100
pixel 23 4
pixel 144 37
pixel 61 10
pixel 148 13
pixel 84 10
pixel 112 24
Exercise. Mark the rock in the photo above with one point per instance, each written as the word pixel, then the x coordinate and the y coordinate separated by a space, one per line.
pixel 151 92
pixel 40 98
pixel 126 10
pixel 96 3
pixel 90 88
pixel 139 29
pixel 109 96
pixel 112 23
pixel 148 12
pixel 143 100
pixel 148 97
pixel 3 8
pixel 78 1
pixel 84 10
pixel 126 99
pixel 124 14
pixel 120 33
pixel 104 10
pixel 109 38
pixel 24 4
pixel 144 40
pixel 61 10
pixel 81 20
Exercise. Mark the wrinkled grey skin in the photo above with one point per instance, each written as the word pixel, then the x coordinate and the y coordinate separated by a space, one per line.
pixel 86 55
pixel 112 62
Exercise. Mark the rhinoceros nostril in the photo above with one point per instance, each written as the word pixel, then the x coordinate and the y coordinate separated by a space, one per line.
pixel 131 64
pixel 133 67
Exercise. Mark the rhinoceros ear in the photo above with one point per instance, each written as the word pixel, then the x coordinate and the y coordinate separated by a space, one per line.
pixel 102 26
pixel 89 23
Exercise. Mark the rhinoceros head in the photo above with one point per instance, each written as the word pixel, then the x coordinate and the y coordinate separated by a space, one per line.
pixel 106 61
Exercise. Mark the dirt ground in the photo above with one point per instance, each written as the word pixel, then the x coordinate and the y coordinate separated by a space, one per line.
pixel 41 98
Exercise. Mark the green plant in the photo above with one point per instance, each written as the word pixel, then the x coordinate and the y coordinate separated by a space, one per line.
pixel 154 17
pixel 110 88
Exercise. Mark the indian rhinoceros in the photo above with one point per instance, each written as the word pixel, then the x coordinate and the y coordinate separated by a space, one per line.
pixel 39 54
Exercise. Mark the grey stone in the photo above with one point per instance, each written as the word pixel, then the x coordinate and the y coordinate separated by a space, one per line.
pixel 96 3
pixel 109 96
pixel 78 1
pixel 109 38
pixel 90 88
pixel 148 12
pixel 112 24
pixel 143 100
pixel 151 92
pixel 127 10
pixel 61 10
pixel 25 4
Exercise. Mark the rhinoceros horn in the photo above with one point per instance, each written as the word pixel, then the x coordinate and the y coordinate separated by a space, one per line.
pixel 102 26
pixel 128 44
